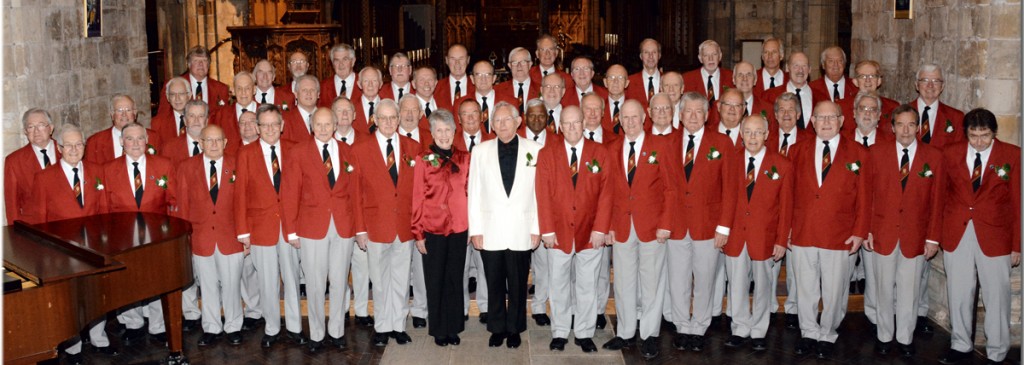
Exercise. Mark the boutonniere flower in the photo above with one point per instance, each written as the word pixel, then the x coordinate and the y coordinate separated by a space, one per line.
pixel 220 103
pixel 714 154
pixel 284 105
pixel 1003 172
pixel 949 126
pixel 348 167
pixel 653 159
pixel 764 114
pixel 409 161
pixel 432 160
pixel 593 166
pixel 99 184
pixel 162 182
pixel 232 180
pixel 529 160
pixel 854 167
pixel 150 150
pixel 773 173
pixel 926 172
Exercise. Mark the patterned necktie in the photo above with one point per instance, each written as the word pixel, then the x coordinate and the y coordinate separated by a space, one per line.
pixel 750 178
pixel 181 124
pixel 904 168
pixel 484 114
pixel 344 89
pixel 46 158
pixel 138 184
pixel 275 168
pixel 195 148
pixel 392 167
pixel 551 121
pixel 711 90
pixel 826 161
pixel 926 135
pixel 650 87
pixel 615 119
pixel 309 122
pixel 214 188
pixel 688 158
pixel 835 92
pixel 574 166
pixel 631 163
pixel 784 148
pixel 199 90
pixel 328 165
pixel 76 185
pixel 458 90
pixel 976 173
pixel 800 121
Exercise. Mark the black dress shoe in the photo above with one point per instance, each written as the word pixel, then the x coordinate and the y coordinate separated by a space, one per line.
pixel 107 350
pixel 558 344
pixel 131 335
pixel 207 339
pixel 924 326
pixel 953 356
pixel 585 344
pixel 418 322
pixel 668 325
pixel 364 321
pixel 696 343
pixel 268 341
pixel 716 320
pixel 907 350
pixel 483 317
pixel 471 286
pixel 531 290
pixel 341 343
pixel 825 350
pixel 496 340
pixel 882 348
pixel 454 340
pixel 735 341
pixel 805 346
pixel 401 337
pixel 465 317
pixel 681 342
pixel 601 321
pixel 235 338
pixel 541 319
pixel 759 344
pixel 993 362
pixel 189 325
pixel 649 347
pixel 74 359
pixel 379 339
pixel 158 338
pixel 792 321
pixel 615 344
pixel 249 324
pixel 513 341
pixel 441 341
pixel 302 290
pixel 862 285
pixel 315 346
pixel 295 338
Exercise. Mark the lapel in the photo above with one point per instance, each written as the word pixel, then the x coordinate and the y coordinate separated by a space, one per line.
pixel 837 164
pixel 561 169
pixel 989 176
pixel 760 179
pixel 586 157
pixel 644 156
pixel 65 188
pixel 916 167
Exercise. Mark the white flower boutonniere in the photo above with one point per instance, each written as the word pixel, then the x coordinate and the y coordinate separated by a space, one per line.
pixel 854 167
pixel 773 173
pixel 409 161
pixel 1003 172
pixel 926 172
pixel 232 180
pixel 529 160
pixel 284 105
pixel 593 166
pixel 162 182
pixel 432 160
pixel 714 154
pixel 150 150
pixel 99 184
pixel 653 159
pixel 949 126
pixel 348 167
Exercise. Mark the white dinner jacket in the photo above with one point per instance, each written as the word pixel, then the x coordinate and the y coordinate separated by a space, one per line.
pixel 505 221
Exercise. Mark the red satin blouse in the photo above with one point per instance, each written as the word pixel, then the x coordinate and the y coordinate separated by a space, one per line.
pixel 439 196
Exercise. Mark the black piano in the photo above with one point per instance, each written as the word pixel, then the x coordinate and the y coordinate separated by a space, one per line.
pixel 73 272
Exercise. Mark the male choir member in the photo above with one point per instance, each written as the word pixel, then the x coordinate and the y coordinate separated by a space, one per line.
pixel 503 221
pixel 980 233
pixel 298 65
pixel 710 80
pixel 343 82
pixel 583 76
pixel 547 53
pixel 830 221
pixel 319 206
pixel 771 74
pixel 541 123
pixel 202 87
pixel 536 123
pixel 424 79
pixel 745 78
pixel 169 123
pixel 643 197
pixel 868 78
pixel 297 120
pixel 758 210
pixel 905 227
pixel 552 91
pixel 593 113
pixel 21 166
pixel 228 116
pixel 645 83
pixel 370 81
pixel 835 84
pixel 470 135
pixel 260 225
pixel 188 144
pixel 249 130
pixel 486 95
pixel 521 87
pixel 400 69
pixel 412 122
pixel 382 165
pixel 730 108
pixel 574 207
pixel 799 72
pixel 672 86
pixel 409 115
pixel 593 110
pixel 204 192
pixel 440 224
pixel 617 82
pixel 105 145
pixel 661 110
pixel 696 161
pixel 266 92
pixel 456 85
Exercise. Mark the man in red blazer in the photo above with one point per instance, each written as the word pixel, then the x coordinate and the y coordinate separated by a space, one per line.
pixel 317 207
pixel 412 123
pixel 868 78
pixel 227 117
pixel 169 123
pixel 640 226
pixel 731 106
pixel 834 84
pixel 710 79
pixel 203 87
pixel 344 81
pixel 696 163
pixel 522 86
pixel 574 207
pixel 266 92
pixel 799 72
pixel 21 166
pixel 297 119
pixel 980 233
pixel 382 166
pixel 583 75
pixel 470 133
pixel 617 81
pixel 189 144
pixel 456 85
pixel 486 95
pixel 204 192
pixel 905 227
pixel 940 123
pixel 593 119
pixel 672 86
pixel 400 69
pixel 105 145
pixel 548 52
pixel 783 132
pixel 771 74
pixel 72 188
pixel 370 80
pixel 661 111
pixel 867 129
pixel 424 79
pixel 830 221
pixel 261 228
pixel 746 80
pixel 552 91
pixel 645 83
pixel 757 208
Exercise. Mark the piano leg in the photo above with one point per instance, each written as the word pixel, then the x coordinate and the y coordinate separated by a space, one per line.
pixel 172 312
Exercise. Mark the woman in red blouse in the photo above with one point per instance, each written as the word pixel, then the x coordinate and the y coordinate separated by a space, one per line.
pixel 440 224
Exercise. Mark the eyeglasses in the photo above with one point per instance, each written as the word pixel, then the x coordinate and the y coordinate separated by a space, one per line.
pixel 552 87
pixel 176 95
pixel 585 69
pixel 869 77
pixel 268 125
pixel 401 66
pixel 545 50
pixel 731 105
pixel 827 118
pixel 753 133
pixel 297 62
pixel 931 81
pixel 483 74
pixel 520 63
pixel 124 110
pixel 36 127
pixel 75 146
pixel 661 108
pixel 868 109
pixel 616 78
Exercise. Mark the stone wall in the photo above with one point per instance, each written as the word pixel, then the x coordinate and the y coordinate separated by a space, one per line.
pixel 48 63
pixel 978 45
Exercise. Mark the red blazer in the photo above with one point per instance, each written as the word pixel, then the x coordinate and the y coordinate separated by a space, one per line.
pixel 761 106
pixel 439 195
pixel 508 89
pixel 426 139
pixel 309 201
pixel 227 120
pixel 361 123
pixel 121 197
pixel 772 143
pixel 258 207
pixel 694 81
pixel 213 224
pixel 216 93
pixel 994 208
pixel 385 208
pixel 443 93
pixel 20 169
pixel 460 142
pixel 386 91
pixel 763 221
pixel 946 117
pixel 177 150
pixel 637 89
pixel 100 146
pixel 760 87
pixel 908 216
pixel 535 77
pixel 53 199
pixel 573 212
pixel 647 203
pixel 826 216
pixel 608 123
pixel 490 105
pixel 164 125
pixel 819 86
pixel 328 93
pixel 294 129
pixel 880 135
pixel 282 95
pixel 816 96
pixel 884 120
pixel 701 196
pixel 573 98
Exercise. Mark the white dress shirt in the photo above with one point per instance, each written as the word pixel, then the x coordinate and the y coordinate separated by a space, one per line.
pixel 733 134
pixel 406 89
pixel 479 137
pixel 463 84
pixel 266 157
pixel 206 87
pixel 414 133
pixel 271 96
pixel 637 147
pixel 657 81
pixel 366 106
pixel 830 85
pixel 396 144
pixel 716 81
pixel 249 108
pixel 490 103
pixel 790 140
pixel 819 149
pixel 931 113
pixel 307 118
pixel 697 139
pixel 597 136
pixel 766 78
pixel 349 137
pixel 70 175
pixel 806 101
pixel 220 169
pixel 350 84
pixel 50 151
pixel 537 137
pixel 131 171
pixel 984 160
pixel 758 158
pixel 859 137
pixel 189 143
pixel 118 148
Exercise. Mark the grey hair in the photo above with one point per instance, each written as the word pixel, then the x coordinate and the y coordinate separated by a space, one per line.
pixel 188 88
pixel 694 96
pixel 753 117
pixel 788 96
pixel 308 77
pixel 199 103
pixel 509 106
pixel 246 74
pixel 385 103
pixel 46 114
pixel 68 128
pixel 782 49
pixel 145 134
pixel 928 67
pixel 517 50
pixel 116 97
pixel 841 51
pixel 273 69
pixel 343 47
pixel 441 116
pixel 535 102
pixel 708 43
pixel 413 97
pixel 867 94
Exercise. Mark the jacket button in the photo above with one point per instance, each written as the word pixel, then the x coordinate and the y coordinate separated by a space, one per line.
pixel 816 196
